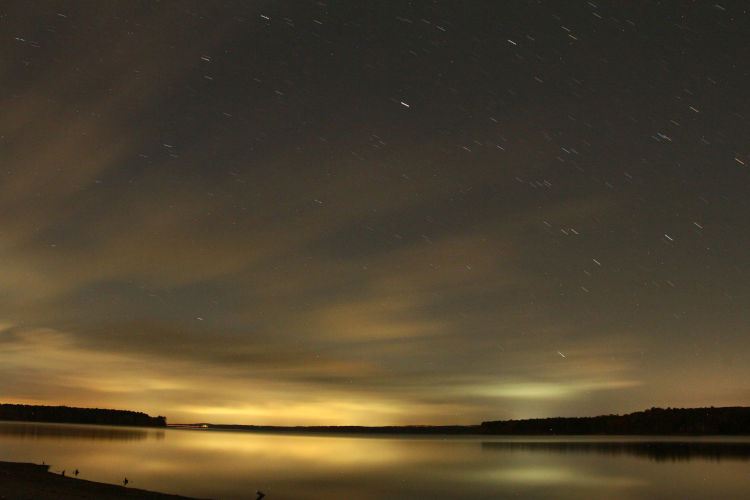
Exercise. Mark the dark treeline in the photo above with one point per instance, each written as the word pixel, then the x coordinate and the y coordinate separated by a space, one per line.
pixel 656 421
pixel 670 421
pixel 66 414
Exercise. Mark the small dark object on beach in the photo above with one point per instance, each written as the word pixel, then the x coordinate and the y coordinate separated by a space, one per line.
pixel 125 482
pixel 260 494
pixel 63 472
pixel 76 472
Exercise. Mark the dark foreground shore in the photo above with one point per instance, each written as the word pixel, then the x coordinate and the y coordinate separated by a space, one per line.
pixel 24 481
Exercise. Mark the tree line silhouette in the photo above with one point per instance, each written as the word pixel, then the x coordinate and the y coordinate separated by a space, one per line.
pixel 731 420
pixel 655 421
pixel 71 415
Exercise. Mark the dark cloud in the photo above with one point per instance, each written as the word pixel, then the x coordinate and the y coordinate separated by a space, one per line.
pixel 371 213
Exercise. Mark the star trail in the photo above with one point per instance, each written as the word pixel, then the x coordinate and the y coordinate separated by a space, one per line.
pixel 371 213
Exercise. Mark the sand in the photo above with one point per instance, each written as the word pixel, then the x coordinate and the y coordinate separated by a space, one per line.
pixel 25 481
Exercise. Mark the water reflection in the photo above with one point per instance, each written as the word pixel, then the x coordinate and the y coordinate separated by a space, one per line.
pixel 233 465
pixel 659 451
pixel 28 430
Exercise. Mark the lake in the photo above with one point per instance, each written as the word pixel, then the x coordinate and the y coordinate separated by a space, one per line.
pixel 231 465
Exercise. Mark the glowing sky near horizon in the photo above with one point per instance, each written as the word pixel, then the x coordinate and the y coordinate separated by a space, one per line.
pixel 373 213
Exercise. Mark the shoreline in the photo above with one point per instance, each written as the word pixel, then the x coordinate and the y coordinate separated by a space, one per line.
pixel 29 481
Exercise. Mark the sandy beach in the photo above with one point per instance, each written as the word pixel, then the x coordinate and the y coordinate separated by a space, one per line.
pixel 27 481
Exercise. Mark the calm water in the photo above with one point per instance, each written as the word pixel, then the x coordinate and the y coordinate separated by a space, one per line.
pixel 232 465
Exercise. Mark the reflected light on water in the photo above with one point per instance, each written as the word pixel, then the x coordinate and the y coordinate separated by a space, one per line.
pixel 319 450
pixel 655 449
pixel 25 430
pixel 558 476
pixel 228 465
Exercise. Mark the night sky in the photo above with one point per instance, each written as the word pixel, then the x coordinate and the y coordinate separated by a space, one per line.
pixel 367 212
